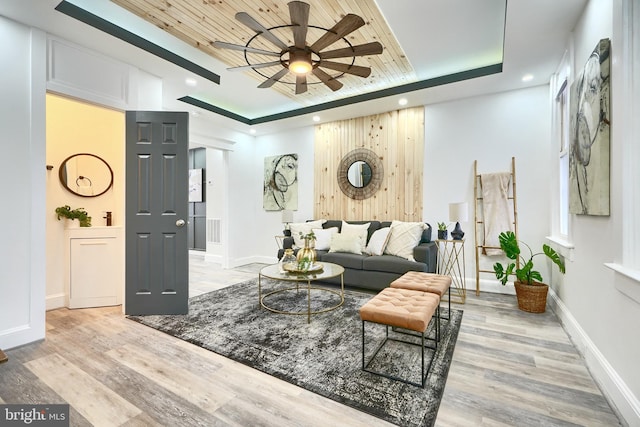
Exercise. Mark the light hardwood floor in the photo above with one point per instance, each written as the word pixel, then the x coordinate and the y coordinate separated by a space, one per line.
pixel 509 369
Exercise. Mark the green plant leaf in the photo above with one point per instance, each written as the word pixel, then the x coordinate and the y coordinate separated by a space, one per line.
pixel 535 276
pixel 509 244
pixel 524 273
pixel 554 256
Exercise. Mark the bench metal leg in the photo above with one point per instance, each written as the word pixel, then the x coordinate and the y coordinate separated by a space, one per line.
pixel 423 373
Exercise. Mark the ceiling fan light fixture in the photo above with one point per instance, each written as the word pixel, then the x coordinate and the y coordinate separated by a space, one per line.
pixel 300 61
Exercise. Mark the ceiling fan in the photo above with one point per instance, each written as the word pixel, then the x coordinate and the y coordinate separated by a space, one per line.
pixel 302 59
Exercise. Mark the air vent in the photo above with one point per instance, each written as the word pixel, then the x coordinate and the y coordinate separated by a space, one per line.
pixel 214 235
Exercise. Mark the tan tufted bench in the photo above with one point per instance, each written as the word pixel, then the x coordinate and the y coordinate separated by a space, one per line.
pixel 425 282
pixel 407 309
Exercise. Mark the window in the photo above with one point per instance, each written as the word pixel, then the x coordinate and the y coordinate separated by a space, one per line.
pixel 562 100
pixel 561 134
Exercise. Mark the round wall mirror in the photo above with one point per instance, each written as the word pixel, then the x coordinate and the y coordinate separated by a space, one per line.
pixel 360 174
pixel 86 175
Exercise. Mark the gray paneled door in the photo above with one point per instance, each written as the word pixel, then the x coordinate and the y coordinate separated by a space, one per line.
pixel 157 275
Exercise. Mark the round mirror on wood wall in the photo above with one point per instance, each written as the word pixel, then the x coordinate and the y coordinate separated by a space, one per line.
pixel 360 174
pixel 86 175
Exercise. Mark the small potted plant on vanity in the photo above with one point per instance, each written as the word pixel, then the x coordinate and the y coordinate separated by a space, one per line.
pixel 442 231
pixel 530 292
pixel 80 214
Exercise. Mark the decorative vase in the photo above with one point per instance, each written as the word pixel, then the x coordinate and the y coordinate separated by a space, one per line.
pixel 288 259
pixel 307 253
pixel 531 298
pixel 442 234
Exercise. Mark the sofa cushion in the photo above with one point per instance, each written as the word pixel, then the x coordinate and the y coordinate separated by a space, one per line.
pixel 346 260
pixel 304 228
pixel 403 238
pixel 349 243
pixel 373 225
pixel 391 264
pixel 323 237
pixel 358 230
pixel 378 242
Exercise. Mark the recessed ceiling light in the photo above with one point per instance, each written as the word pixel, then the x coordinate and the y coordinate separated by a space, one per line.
pixel 316 118
pixel 402 101
pixel 527 77
pixel 252 131
pixel 195 113
pixel 191 82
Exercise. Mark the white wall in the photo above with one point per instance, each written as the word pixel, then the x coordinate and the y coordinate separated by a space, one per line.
pixel 22 184
pixel 490 129
pixel 297 141
pixel 602 320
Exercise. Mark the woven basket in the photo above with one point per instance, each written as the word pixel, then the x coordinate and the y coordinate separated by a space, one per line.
pixel 532 298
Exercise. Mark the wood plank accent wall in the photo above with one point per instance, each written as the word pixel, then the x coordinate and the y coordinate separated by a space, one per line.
pixel 398 138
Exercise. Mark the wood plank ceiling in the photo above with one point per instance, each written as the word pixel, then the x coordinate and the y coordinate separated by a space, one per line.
pixel 201 22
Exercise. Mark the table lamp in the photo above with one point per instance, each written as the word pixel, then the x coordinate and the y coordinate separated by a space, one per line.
pixel 287 217
pixel 458 212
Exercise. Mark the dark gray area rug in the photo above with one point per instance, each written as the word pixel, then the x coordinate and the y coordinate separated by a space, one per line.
pixel 324 356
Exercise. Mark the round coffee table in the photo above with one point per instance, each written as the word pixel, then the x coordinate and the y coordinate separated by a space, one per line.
pixel 328 271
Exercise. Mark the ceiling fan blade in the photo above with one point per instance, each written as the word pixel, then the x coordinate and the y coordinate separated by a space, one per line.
pixel 247 20
pixel 251 66
pixel 271 80
pixel 225 45
pixel 301 84
pixel 327 79
pixel 346 68
pixel 373 48
pixel 299 12
pixel 346 25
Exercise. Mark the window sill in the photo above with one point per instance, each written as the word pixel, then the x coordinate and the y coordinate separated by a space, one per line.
pixel 562 246
pixel 625 271
pixel 628 287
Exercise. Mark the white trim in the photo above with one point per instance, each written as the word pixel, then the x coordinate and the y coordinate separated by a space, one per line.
pixel 629 62
pixel 56 301
pixel 613 387
pixel 562 246
pixel 625 271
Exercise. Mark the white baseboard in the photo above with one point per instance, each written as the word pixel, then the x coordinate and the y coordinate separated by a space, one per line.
pixel 55 301
pixel 213 258
pixel 615 390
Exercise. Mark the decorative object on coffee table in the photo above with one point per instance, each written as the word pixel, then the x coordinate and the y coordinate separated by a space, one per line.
pixel 531 293
pixel 308 253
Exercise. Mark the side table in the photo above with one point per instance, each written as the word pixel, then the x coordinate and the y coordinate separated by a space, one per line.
pixel 451 263
pixel 279 240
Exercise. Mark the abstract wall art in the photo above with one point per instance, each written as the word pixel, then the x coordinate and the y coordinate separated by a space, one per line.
pixel 280 182
pixel 589 173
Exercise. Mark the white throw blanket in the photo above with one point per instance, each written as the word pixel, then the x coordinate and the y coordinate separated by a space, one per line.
pixel 496 211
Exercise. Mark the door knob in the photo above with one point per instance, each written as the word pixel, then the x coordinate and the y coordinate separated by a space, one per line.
pixel 180 223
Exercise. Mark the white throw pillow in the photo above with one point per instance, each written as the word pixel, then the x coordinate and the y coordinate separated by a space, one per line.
pixel 403 237
pixel 323 237
pixel 345 243
pixel 378 241
pixel 304 228
pixel 360 231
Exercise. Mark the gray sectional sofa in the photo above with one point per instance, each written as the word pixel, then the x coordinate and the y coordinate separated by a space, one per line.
pixel 375 272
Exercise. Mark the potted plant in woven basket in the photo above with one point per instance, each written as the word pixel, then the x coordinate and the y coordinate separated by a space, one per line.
pixel 530 291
